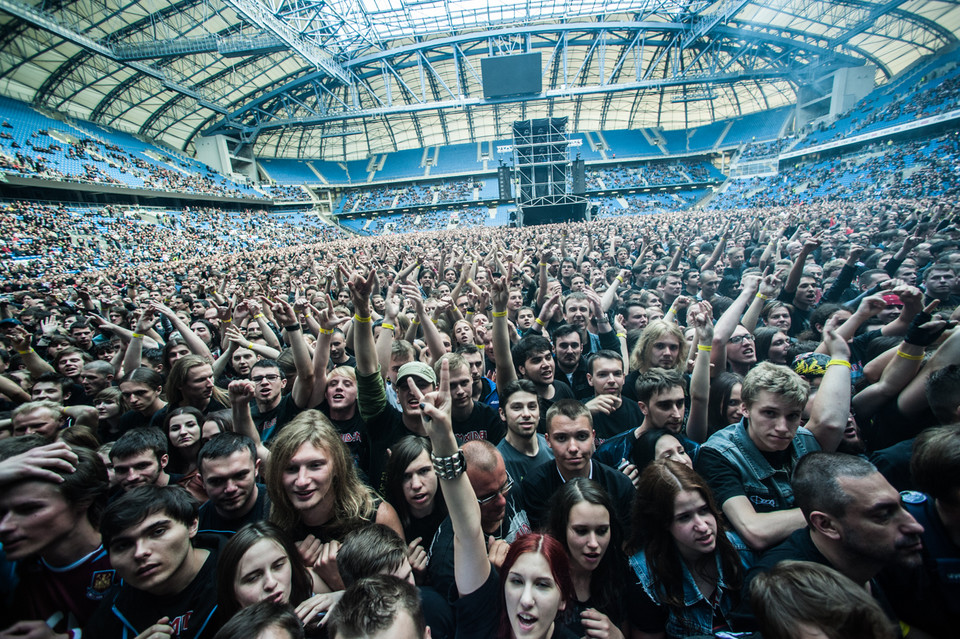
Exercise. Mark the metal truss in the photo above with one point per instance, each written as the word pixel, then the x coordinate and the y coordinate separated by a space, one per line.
pixel 262 15
pixel 580 59
pixel 49 22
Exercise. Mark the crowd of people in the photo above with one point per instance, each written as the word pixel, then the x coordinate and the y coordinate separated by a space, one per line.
pixel 92 160
pixel 390 197
pixel 41 240
pixel 925 167
pixel 670 425
pixel 653 174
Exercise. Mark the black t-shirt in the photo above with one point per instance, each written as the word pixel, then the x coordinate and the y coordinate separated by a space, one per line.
pixel 478 613
pixel 561 391
pixel 482 423
pixel 126 612
pixel 271 422
pixel 426 527
pixel 353 433
pixel 213 521
pixel 133 419
pixel 627 417
pixel 351 362
pixel 726 481
pixel 544 480
pixel 889 426
pixel 800 547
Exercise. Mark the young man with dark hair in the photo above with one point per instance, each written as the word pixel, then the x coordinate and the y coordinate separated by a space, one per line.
pixel 169 574
pixel 471 419
pixel 379 550
pixel 379 607
pixel 139 458
pixel 570 364
pixel 484 391
pixel 571 437
pixel 523 448
pixel 611 414
pixel 228 465
pixel 534 361
pixel 51 499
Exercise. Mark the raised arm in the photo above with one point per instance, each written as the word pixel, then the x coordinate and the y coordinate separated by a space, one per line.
pixel 303 386
pixel 327 321
pixel 391 311
pixel 769 287
pixel 365 350
pixel 913 399
pixel 431 334
pixel 796 271
pixel 195 344
pixel 506 372
pixel 242 392
pixel 21 341
pixel 831 406
pixel 728 322
pixel 471 565
pixel 697 422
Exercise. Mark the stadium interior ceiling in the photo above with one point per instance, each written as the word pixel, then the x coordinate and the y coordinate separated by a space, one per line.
pixel 345 79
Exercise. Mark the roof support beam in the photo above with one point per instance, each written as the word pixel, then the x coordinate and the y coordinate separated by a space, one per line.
pixel 48 22
pixel 867 22
pixel 260 15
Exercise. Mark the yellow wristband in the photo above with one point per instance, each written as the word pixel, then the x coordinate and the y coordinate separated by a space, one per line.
pixel 326 331
pixel 469 279
pixel 673 309
pixel 258 316
pixel 540 322
pixel 705 347
pixel 499 313
pixel 623 335
pixel 362 320
pixel 620 279
pixel 762 296
pixel 307 315
pixel 250 346
pixel 838 362
pixel 912 358
pixel 137 335
pixel 543 263
pixel 416 321
pixel 480 346
pixel 29 350
pixel 226 321
pixel 388 326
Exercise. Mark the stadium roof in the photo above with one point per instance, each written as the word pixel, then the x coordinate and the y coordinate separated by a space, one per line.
pixel 344 79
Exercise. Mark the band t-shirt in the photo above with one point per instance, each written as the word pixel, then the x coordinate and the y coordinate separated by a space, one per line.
pixel 64 596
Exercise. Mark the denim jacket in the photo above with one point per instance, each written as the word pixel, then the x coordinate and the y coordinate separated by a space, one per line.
pixel 698 613
pixel 766 487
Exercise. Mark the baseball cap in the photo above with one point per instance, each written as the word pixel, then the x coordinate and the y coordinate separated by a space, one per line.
pixel 417 369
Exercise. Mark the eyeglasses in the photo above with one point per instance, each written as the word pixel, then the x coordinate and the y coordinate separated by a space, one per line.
pixel 503 491
pixel 736 339
pixel 260 378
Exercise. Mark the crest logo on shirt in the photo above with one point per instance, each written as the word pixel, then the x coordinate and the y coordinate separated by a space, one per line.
pixel 100 582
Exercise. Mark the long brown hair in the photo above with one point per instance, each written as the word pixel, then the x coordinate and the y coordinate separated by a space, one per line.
pixel 353 501
pixel 178 376
pixel 653 515
pixel 233 552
